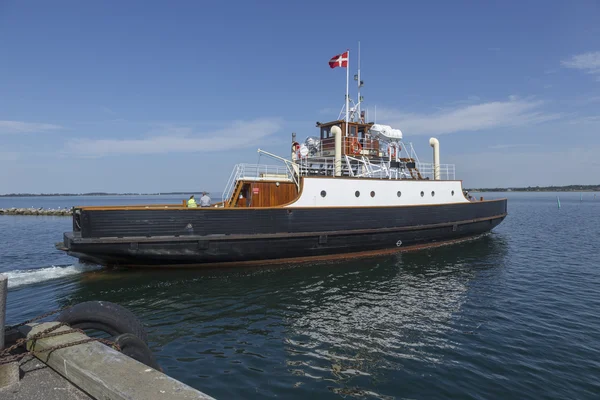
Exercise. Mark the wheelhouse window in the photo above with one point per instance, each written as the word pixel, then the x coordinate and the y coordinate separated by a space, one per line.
pixel 361 132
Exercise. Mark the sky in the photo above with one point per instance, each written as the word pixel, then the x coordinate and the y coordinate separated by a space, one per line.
pixel 138 96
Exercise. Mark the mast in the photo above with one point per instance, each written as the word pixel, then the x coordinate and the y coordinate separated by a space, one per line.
pixel 359 84
pixel 347 84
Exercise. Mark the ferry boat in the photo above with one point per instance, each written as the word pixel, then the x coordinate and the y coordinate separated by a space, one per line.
pixel 354 189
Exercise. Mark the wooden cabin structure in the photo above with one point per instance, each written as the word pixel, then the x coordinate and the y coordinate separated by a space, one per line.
pixel 251 193
pixel 358 142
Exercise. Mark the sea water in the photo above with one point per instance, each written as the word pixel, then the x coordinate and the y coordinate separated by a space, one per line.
pixel 511 315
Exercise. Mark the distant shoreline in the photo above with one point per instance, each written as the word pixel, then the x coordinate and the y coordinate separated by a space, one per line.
pixel 570 188
pixel 98 194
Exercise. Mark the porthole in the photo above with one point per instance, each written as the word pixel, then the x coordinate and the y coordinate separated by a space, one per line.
pixel 452 193
pixel 422 193
pixel 432 193
pixel 372 193
pixel 357 193
pixel 399 194
pixel 323 193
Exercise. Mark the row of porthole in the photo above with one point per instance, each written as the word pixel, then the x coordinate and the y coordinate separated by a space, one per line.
pixel 399 193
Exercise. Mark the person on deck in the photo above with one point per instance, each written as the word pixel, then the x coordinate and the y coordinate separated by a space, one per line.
pixel 192 202
pixel 204 200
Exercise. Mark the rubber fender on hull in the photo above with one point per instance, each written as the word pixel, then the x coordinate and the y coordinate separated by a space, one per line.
pixel 135 348
pixel 103 316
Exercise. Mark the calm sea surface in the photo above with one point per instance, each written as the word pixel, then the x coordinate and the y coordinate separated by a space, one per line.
pixel 515 314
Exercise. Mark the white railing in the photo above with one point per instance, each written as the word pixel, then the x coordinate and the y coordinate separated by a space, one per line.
pixel 447 171
pixel 263 172
pixel 228 191
pixel 359 167
pixel 256 172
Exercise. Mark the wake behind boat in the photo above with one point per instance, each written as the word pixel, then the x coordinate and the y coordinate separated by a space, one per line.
pixel 354 189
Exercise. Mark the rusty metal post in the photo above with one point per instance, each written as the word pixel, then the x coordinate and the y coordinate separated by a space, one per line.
pixel 9 373
pixel 3 291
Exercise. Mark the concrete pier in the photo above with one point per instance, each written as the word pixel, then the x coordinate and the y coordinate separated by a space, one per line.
pixel 36 211
pixel 39 381
pixel 89 370
pixel 71 366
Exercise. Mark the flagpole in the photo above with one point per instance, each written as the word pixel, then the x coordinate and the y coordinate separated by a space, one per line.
pixel 358 104
pixel 347 85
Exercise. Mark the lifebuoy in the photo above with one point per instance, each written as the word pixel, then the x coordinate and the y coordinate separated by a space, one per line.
pixel 296 149
pixel 356 147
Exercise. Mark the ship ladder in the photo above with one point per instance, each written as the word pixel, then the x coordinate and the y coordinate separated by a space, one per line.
pixel 236 193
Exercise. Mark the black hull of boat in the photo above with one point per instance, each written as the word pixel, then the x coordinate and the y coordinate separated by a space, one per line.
pixel 261 236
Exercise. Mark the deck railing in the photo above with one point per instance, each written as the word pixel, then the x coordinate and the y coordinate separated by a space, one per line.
pixel 447 171
pixel 363 167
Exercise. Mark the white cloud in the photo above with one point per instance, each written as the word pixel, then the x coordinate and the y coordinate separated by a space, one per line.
pixel 172 139
pixel 588 62
pixel 473 117
pixel 8 127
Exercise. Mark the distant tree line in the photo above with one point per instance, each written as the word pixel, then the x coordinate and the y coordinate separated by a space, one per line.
pixel 569 188
pixel 95 194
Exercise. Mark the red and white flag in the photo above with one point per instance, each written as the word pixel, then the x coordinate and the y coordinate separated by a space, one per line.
pixel 341 60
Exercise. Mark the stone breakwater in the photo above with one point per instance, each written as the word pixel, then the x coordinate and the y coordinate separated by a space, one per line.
pixel 36 211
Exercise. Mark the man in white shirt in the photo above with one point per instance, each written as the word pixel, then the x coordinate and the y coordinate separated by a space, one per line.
pixel 204 200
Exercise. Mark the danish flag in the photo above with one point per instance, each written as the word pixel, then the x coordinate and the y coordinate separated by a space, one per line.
pixel 341 60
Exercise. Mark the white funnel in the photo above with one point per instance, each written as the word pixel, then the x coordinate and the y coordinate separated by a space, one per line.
pixel 337 132
pixel 433 142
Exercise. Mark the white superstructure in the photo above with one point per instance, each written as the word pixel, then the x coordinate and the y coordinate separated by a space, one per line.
pixel 336 192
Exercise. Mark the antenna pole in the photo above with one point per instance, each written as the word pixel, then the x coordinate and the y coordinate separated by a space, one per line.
pixel 358 105
pixel 347 80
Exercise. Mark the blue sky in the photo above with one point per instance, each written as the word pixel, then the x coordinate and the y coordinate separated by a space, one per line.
pixel 167 96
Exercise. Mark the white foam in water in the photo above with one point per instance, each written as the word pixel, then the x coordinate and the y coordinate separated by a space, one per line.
pixel 27 277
